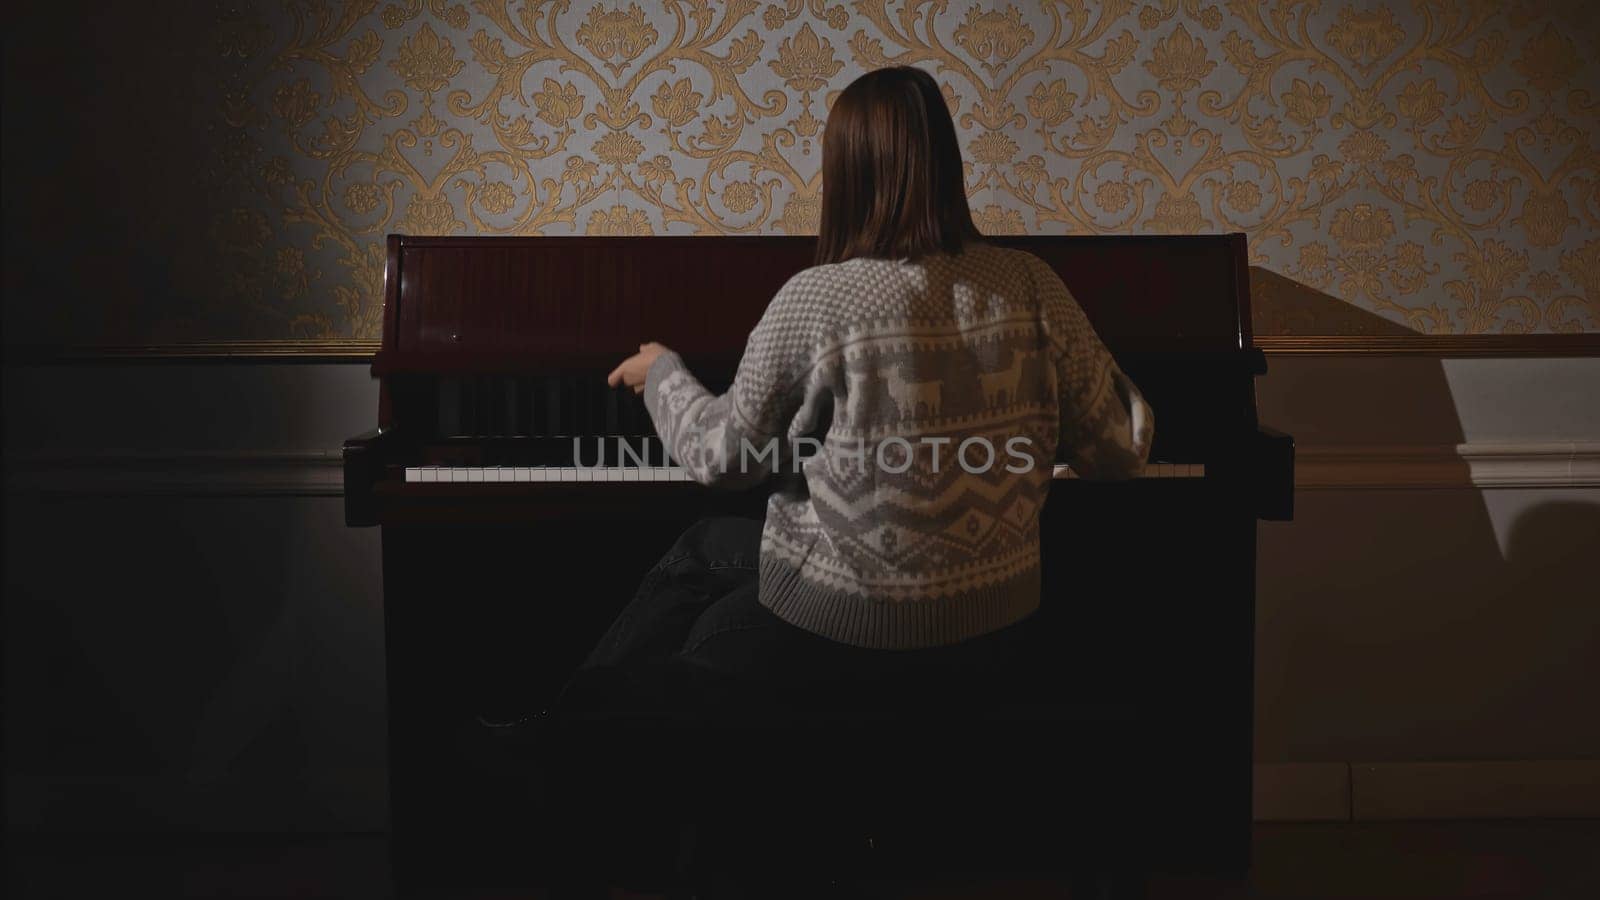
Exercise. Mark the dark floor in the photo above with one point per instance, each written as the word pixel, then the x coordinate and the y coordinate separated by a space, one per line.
pixel 1522 859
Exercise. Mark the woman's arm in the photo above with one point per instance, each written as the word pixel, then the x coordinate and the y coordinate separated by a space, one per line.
pixel 734 439
pixel 1106 426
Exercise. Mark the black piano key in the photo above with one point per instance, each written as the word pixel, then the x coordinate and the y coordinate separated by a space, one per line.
pixel 625 420
pixel 623 452
pixel 485 388
pixel 468 423
pixel 577 409
pixel 528 408
pixel 641 415
pixel 538 398
pixel 626 423
pixel 552 407
pixel 485 391
pixel 573 410
pixel 653 447
pixel 613 404
pixel 569 409
pixel 504 407
pixel 449 406
pixel 595 406
pixel 496 390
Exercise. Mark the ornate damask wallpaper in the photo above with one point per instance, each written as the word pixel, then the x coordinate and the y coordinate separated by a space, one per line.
pixel 1432 163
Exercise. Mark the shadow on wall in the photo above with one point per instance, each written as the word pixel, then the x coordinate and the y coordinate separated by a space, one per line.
pixel 1282 306
pixel 1411 624
pixel 1548 581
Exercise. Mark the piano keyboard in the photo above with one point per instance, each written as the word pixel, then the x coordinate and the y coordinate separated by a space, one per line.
pixel 594 474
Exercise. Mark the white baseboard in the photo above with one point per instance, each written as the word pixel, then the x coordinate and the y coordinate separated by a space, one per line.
pixel 1386 791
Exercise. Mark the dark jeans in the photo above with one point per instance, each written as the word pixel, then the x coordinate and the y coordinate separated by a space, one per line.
pixel 696 635
pixel 696 652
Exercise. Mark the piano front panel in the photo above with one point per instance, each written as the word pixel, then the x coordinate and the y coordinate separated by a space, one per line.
pixel 491 603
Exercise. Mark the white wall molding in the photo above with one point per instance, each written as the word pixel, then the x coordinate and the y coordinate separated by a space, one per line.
pixel 318 473
pixel 1478 464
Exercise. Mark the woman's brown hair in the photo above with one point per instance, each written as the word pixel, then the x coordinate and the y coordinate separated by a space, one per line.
pixel 892 184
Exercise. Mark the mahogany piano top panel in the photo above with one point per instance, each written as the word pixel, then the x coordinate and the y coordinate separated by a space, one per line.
pixel 509 303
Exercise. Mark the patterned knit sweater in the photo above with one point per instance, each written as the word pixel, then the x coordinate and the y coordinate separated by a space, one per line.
pixel 911 412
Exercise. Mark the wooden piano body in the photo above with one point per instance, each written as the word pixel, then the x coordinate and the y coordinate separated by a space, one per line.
pixel 494 354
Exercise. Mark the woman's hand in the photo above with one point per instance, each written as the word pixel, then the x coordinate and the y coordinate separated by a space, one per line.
pixel 636 367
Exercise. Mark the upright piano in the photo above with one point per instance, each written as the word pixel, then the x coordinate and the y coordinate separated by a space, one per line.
pixel 505 558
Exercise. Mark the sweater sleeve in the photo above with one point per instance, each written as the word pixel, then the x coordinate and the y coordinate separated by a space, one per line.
pixel 736 439
pixel 1106 425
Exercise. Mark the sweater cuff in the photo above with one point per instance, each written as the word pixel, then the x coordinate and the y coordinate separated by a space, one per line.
pixel 665 364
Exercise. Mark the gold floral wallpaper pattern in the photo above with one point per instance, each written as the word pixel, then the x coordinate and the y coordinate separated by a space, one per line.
pixel 1433 162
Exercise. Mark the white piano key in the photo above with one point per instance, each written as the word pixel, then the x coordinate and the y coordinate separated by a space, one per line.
pixel 613 474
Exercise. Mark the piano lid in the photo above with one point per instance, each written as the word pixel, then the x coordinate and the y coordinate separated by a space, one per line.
pixel 518 303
